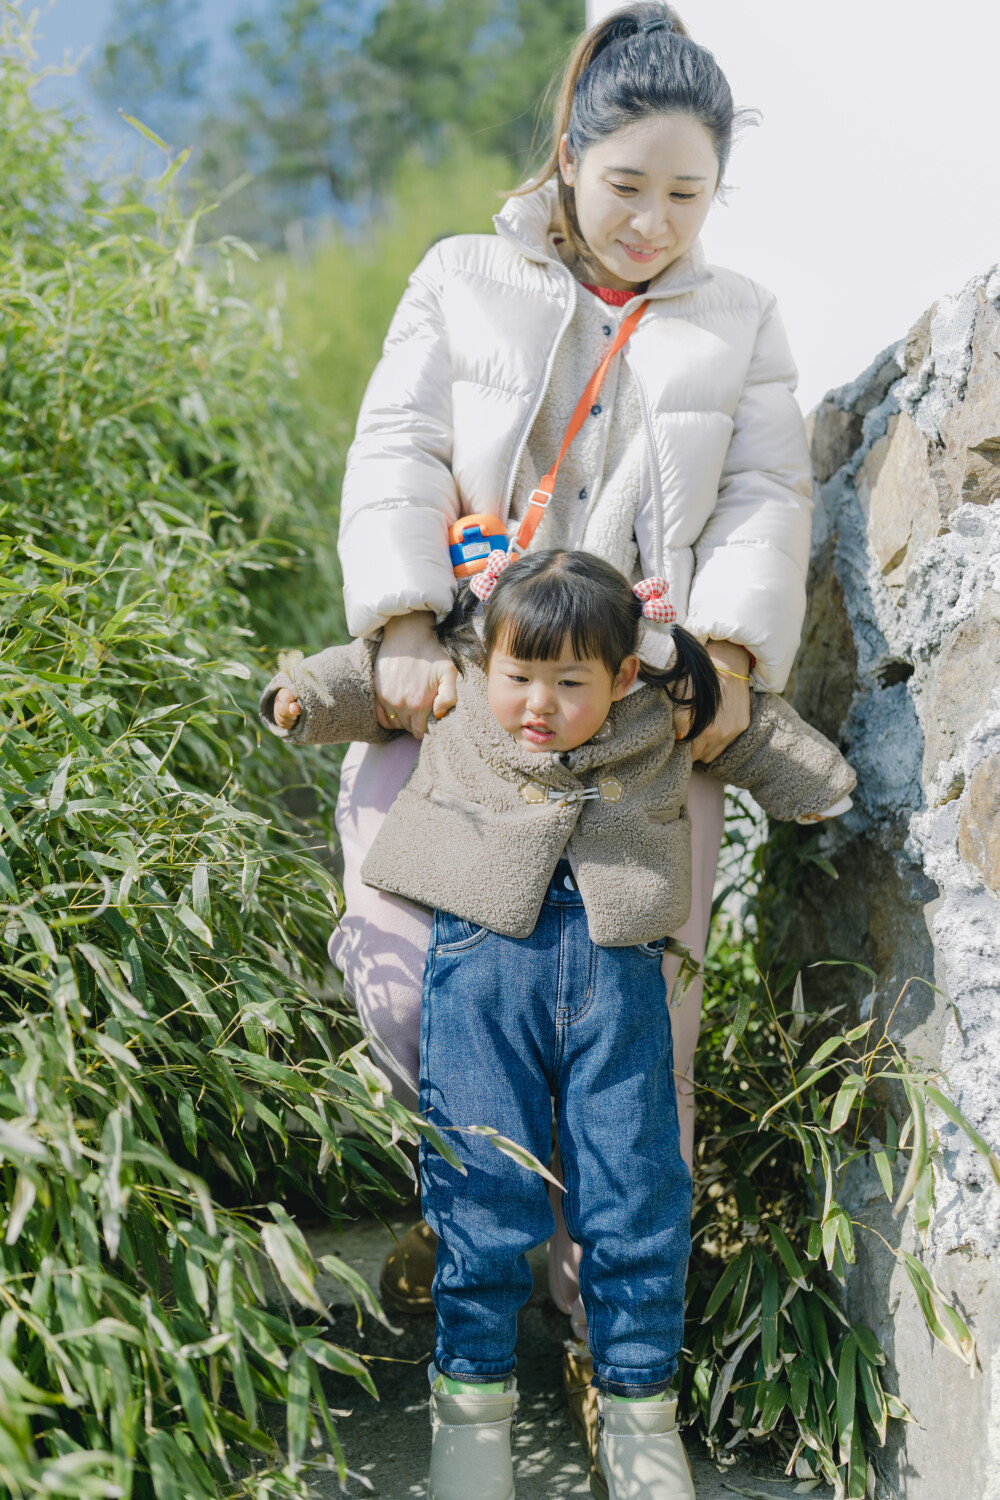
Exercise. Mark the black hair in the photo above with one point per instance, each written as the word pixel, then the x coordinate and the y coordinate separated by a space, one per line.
pixel 544 598
pixel 638 61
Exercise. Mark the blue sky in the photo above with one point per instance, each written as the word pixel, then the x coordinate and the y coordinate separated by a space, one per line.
pixel 78 26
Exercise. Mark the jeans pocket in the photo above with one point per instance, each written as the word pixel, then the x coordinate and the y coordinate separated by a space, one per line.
pixel 454 934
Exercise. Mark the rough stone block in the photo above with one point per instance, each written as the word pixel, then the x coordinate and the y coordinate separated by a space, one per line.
pixel 979 824
pixel 964 674
pixel 835 435
pixel 900 662
pixel 898 496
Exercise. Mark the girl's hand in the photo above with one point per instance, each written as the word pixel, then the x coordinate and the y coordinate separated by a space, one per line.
pixel 286 708
pixel 734 712
pixel 413 676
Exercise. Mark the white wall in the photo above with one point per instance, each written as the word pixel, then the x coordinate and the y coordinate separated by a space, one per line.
pixel 870 188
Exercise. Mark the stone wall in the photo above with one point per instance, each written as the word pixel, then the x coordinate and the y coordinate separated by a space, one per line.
pixel 901 664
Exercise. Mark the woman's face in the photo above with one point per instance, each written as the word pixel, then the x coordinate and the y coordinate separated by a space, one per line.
pixel 643 194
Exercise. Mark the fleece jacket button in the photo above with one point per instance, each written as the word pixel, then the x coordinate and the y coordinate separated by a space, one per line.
pixel 607 330
pixel 595 411
pixel 582 495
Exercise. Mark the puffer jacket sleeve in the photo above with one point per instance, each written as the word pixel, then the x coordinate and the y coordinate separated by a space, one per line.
pixel 399 496
pixel 751 557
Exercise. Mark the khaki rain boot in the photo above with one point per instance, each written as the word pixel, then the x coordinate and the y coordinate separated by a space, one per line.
pixel 470 1444
pixel 641 1451
pixel 408 1270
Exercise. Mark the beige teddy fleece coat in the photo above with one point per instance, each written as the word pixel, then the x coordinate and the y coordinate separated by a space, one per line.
pixel 482 822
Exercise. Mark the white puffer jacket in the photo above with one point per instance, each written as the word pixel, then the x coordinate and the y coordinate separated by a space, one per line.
pixel 725 504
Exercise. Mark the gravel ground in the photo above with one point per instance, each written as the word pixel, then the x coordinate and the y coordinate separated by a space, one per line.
pixel 387 1442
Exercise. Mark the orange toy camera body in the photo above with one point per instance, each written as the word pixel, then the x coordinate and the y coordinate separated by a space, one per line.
pixel 472 539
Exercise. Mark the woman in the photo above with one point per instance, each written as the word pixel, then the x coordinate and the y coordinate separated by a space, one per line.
pixel 693 466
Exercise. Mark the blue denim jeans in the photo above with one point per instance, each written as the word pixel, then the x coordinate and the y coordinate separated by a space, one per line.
pixel 509 1026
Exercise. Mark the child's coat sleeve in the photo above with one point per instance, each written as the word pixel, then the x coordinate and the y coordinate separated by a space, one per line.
pixel 790 768
pixel 336 692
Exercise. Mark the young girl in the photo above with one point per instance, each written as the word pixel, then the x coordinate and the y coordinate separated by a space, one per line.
pixel 546 823
pixel 693 466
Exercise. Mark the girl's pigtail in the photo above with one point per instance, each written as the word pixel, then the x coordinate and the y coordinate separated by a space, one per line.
pixel 691 680
pixel 456 632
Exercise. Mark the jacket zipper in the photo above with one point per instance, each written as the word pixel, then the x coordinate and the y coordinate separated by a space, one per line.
pixel 654 477
pixel 540 395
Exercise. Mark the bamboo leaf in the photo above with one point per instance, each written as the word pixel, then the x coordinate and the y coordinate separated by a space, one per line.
pixel 852 1086
pixel 884 1171
pixel 298 1407
pixel 514 1150
pixel 943 1321
pixel 739 1025
pixel 874 1399
pixel 798 1009
pixel 194 923
pixel 949 1108
pixel 145 131
pixel 341 1361
pixel 846 1392
pixel 770 1302
pixel 789 1259
pixel 736 1267
pixel 174 167
pixel 295 1267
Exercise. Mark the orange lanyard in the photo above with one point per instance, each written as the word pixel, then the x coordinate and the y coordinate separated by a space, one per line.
pixel 540 497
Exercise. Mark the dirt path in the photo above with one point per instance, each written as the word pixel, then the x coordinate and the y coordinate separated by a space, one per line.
pixel 387 1442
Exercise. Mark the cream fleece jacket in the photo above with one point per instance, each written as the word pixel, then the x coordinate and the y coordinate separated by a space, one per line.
pixel 482 822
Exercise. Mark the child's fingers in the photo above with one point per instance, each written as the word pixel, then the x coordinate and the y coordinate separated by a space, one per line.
pixel 286 708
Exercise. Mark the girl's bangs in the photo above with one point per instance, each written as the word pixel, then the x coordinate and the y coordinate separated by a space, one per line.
pixel 537 619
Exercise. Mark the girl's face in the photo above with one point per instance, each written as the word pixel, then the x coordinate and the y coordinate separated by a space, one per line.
pixel 554 705
pixel 643 194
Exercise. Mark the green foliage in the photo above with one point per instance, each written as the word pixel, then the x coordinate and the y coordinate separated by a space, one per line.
pixel 789 1102
pixel 477 68
pixel 164 1014
pixel 340 302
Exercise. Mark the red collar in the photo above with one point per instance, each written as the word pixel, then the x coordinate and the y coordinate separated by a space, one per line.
pixel 610 294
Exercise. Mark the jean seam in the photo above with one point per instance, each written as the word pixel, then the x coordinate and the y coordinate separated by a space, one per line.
pixel 570 1018
pixel 585 1010
pixel 567 1171
pixel 464 945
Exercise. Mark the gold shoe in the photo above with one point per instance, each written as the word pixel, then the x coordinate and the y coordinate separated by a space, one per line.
pixel 578 1371
pixel 408 1270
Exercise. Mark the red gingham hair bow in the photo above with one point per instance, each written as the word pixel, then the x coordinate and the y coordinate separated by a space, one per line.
pixel 482 584
pixel 653 592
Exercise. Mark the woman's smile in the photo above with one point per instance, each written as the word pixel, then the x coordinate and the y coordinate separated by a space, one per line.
pixel 640 253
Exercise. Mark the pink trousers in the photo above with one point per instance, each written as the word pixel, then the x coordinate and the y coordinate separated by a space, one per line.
pixel 381 943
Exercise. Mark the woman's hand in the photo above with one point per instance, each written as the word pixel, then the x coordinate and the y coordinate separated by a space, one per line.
pixel 734 711
pixel 286 709
pixel 413 676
